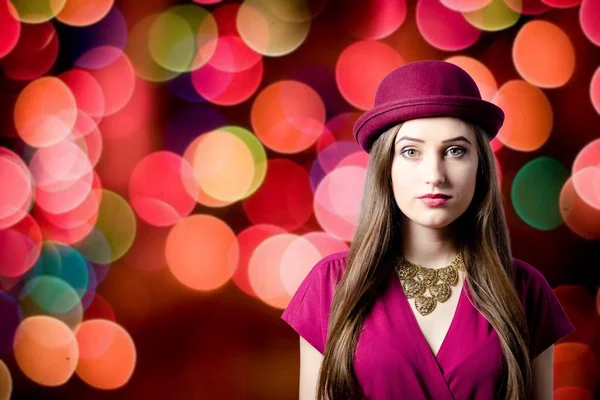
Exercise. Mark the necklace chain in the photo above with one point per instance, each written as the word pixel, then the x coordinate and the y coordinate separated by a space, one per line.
pixel 416 280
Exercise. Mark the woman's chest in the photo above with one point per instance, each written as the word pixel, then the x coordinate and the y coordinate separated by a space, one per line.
pixel 394 357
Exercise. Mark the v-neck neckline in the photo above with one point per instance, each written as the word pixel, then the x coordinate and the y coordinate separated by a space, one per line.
pixel 417 329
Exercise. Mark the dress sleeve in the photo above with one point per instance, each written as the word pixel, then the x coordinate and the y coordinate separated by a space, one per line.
pixel 546 319
pixel 308 310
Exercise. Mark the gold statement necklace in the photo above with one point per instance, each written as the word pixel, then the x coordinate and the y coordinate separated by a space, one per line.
pixel 415 280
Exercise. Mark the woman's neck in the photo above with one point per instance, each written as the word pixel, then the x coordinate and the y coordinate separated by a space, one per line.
pixel 428 247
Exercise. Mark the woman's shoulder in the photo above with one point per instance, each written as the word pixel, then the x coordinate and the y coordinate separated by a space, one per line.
pixel 547 321
pixel 526 275
pixel 337 259
pixel 531 284
pixel 332 265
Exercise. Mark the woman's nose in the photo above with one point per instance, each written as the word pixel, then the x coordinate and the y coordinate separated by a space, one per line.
pixel 434 170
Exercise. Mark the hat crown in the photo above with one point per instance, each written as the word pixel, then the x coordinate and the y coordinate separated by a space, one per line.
pixel 425 79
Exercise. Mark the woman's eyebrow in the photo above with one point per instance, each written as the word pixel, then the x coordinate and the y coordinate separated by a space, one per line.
pixel 454 139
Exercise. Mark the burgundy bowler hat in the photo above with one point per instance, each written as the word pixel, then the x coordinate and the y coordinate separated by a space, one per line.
pixel 426 88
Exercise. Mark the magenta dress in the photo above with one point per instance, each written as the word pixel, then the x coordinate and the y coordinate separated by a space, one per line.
pixel 392 358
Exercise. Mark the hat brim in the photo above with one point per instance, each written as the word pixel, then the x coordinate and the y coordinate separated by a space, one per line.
pixel 373 122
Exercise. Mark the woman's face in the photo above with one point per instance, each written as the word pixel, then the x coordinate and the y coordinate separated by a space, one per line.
pixel 434 155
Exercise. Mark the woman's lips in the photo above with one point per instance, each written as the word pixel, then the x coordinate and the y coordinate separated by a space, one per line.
pixel 434 202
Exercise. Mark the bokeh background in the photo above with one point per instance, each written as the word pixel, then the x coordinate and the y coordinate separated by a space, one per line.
pixel 170 172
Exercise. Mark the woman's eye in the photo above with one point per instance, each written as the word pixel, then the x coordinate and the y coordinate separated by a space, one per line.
pixel 460 149
pixel 407 150
pixel 456 151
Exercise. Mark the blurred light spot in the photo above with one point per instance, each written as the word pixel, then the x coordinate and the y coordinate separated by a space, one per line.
pixel 576 366
pixel 579 215
pixel 224 166
pixel 528 116
pixel 233 55
pixel 357 84
pixel 86 90
pixel 358 159
pixel 114 231
pixel 5 382
pixel 183 38
pixel 496 144
pixel 286 185
pixel 495 16
pixel 11 30
pixel 330 157
pixel 268 29
pixel 562 3
pixel 56 167
pixel 288 116
pixel 73 225
pixel 372 19
pixel 111 30
pixel 36 11
pixel 14 174
pixel 45 112
pixel 249 239
pixel 99 308
pixel 35 53
pixel 337 201
pixel 46 350
pixel 225 16
pixel 202 197
pixel 587 185
pixel 70 267
pixel 297 259
pixel 543 54
pixel 117 79
pixel 588 156
pixel 21 245
pixel 326 243
pixel 107 354
pixel 528 7
pixel 51 296
pixel 202 252
pixel 443 28
pixel 11 316
pixel 232 75
pixel 84 12
pixel 138 51
pixel 535 192
pixel 289 11
pixel 264 270
pixel 207 1
pixel 86 135
pixel 338 128
pixel 157 188
pixel 63 175
pixel 595 90
pixel 465 5
pixel 483 77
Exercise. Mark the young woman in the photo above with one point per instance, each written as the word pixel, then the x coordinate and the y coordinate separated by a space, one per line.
pixel 428 302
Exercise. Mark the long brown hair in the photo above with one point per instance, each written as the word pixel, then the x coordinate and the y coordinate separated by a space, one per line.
pixel 483 240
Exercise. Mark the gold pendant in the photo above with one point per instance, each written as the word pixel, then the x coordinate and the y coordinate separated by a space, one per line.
pixel 412 288
pixel 424 304
pixel 440 292
pixel 415 280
